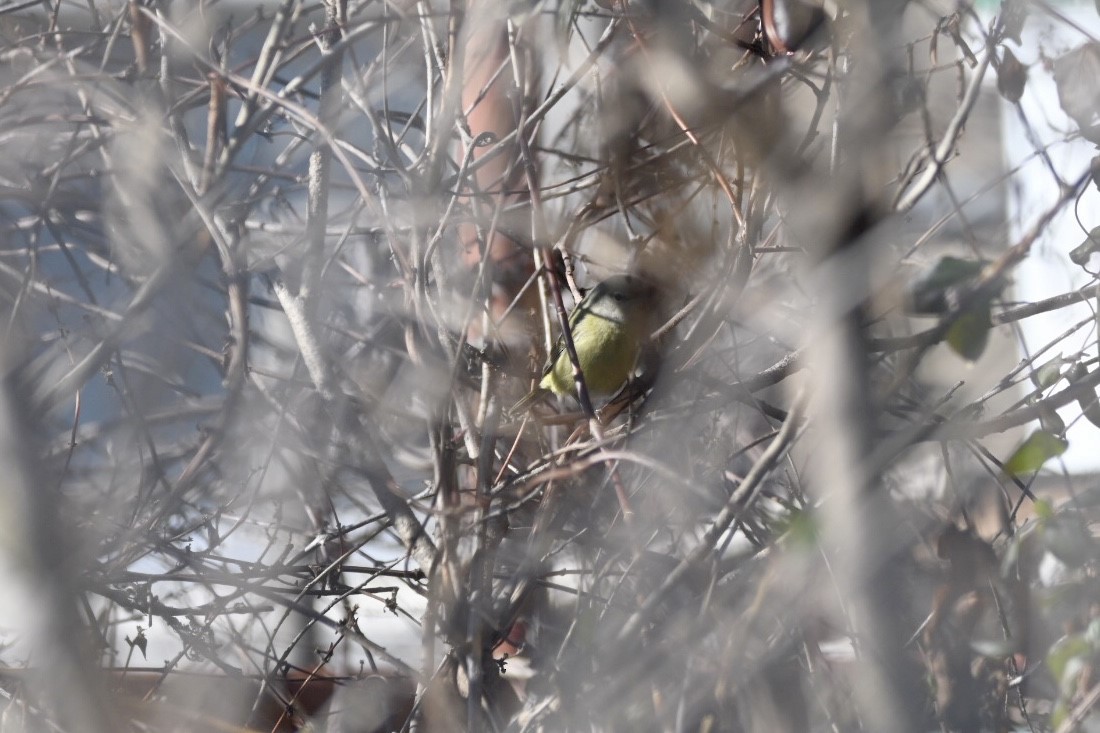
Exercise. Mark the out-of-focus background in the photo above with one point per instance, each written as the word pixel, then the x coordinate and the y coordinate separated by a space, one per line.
pixel 273 277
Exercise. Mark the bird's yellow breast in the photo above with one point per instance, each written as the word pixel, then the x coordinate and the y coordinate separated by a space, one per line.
pixel 607 354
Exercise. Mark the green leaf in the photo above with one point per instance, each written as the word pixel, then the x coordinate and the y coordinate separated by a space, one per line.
pixel 1092 633
pixel 566 14
pixel 1069 541
pixel 969 334
pixel 1063 652
pixel 1088 402
pixel 1050 420
pixel 928 294
pixel 1067 660
pixel 1077 77
pixel 802 529
pixel 1039 447
pixel 1049 373
pixel 1080 254
pixel 1011 557
pixel 1011 77
pixel 1059 713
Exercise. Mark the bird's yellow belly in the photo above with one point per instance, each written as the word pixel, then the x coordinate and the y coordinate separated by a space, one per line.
pixel 608 359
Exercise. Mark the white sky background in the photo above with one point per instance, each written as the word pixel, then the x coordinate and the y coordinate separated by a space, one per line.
pixel 1048 271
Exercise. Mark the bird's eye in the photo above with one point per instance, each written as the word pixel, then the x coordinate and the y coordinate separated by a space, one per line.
pixel 619 296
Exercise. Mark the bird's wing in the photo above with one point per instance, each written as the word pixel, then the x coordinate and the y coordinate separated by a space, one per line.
pixel 574 316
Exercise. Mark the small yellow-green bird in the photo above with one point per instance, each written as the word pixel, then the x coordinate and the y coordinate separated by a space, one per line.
pixel 609 327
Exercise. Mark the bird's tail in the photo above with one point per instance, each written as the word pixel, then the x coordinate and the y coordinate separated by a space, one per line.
pixel 535 395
